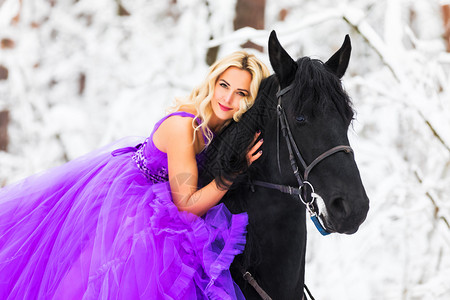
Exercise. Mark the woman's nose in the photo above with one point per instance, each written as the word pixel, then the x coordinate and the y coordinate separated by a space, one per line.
pixel 228 98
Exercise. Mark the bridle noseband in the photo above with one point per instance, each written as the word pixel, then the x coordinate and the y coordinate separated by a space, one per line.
pixel 293 154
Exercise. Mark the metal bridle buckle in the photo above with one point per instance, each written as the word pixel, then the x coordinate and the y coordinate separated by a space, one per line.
pixel 312 192
pixel 279 107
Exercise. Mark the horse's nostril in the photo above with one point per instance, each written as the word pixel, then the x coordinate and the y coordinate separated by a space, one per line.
pixel 339 207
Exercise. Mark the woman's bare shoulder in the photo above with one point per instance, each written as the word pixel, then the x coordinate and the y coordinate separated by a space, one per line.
pixel 176 128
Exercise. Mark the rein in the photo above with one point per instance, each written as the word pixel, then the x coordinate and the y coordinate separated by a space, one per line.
pixel 301 180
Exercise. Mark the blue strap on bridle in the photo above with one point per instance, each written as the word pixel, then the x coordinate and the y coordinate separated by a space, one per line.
pixel 319 226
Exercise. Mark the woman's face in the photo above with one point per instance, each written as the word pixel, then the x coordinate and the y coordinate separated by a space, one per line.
pixel 231 86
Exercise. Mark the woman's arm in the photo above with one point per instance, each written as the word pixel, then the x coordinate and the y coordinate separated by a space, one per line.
pixel 175 138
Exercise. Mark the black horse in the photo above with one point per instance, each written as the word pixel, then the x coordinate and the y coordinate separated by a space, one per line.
pixel 303 112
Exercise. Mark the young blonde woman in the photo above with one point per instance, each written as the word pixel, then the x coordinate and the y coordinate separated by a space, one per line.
pixel 133 224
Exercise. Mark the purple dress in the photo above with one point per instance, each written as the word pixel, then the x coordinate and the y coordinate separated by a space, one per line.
pixel 104 226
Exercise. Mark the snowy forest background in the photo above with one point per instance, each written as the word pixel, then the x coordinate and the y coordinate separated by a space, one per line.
pixel 78 74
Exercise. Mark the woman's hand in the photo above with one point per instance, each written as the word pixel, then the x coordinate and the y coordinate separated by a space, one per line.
pixel 253 153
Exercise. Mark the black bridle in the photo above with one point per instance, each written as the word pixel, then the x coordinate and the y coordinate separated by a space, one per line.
pixel 301 180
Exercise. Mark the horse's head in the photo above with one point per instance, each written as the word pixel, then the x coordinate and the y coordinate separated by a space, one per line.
pixel 318 114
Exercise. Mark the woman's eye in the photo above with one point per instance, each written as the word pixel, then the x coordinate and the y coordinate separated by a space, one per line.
pixel 242 94
pixel 223 85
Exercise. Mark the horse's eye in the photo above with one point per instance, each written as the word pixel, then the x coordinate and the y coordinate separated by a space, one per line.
pixel 300 119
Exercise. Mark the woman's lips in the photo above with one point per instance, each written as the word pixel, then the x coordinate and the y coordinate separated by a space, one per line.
pixel 224 108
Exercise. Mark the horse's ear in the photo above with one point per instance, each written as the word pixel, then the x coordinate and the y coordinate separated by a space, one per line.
pixel 338 63
pixel 283 65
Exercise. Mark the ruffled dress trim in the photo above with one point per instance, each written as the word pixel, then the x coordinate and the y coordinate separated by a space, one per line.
pixel 214 239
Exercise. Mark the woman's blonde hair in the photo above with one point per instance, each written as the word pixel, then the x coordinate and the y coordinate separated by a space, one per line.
pixel 200 97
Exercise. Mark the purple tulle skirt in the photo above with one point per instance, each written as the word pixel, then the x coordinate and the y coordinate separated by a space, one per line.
pixel 95 228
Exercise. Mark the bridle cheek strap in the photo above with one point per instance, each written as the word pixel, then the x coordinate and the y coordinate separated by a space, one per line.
pixel 284 125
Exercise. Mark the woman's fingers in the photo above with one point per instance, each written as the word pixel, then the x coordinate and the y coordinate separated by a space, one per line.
pixel 256 137
pixel 254 153
pixel 254 157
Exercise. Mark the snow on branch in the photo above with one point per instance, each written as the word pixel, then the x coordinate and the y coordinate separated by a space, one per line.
pixel 437 208
pixel 260 36
pixel 355 18
pixel 433 130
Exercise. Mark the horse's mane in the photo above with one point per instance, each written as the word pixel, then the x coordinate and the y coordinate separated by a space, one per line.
pixel 316 86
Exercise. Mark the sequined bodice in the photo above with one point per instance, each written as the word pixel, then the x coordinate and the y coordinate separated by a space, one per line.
pixel 154 172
